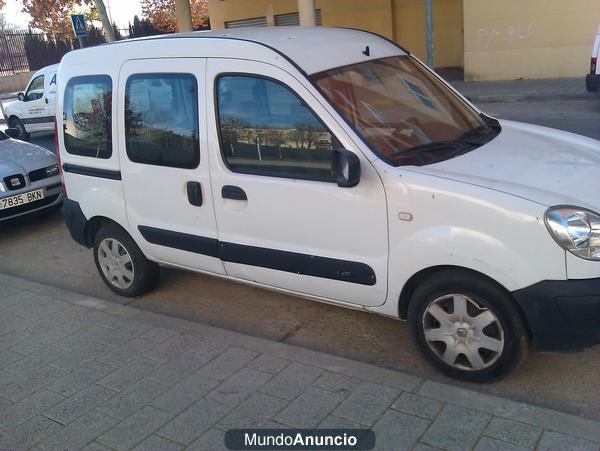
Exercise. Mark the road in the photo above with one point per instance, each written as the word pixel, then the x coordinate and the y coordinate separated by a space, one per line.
pixel 40 249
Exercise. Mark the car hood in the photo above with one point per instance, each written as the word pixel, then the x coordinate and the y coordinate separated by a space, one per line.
pixel 9 106
pixel 544 165
pixel 21 157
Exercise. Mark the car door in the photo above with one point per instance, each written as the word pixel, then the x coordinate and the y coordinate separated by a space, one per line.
pixel 35 115
pixel 282 219
pixel 164 163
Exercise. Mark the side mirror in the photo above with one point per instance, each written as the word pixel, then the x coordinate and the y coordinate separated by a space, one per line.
pixel 12 132
pixel 345 167
pixel 21 96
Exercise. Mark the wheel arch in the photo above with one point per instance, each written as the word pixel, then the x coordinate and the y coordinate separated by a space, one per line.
pixel 94 224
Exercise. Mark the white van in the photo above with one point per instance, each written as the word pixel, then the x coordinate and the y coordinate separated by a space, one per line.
pixel 330 164
pixel 592 80
pixel 34 109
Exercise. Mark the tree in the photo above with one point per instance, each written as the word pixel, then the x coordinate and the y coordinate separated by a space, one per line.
pixel 53 16
pixel 162 14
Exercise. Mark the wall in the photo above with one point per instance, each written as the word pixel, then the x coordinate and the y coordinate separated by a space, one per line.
pixel 512 39
pixel 15 83
pixel 401 20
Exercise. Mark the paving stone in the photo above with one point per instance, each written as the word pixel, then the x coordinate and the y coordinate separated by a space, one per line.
pixel 510 431
pixel 491 444
pixel 80 432
pixel 37 360
pixel 129 374
pixel 29 407
pixel 6 378
pixel 200 417
pixel 253 412
pixel 552 441
pixel 134 429
pixel 310 408
pixel 79 357
pixel 45 310
pixel 31 432
pixel 292 381
pixel 366 403
pixel 397 430
pixel 13 338
pixel 185 394
pixel 333 422
pixel 128 401
pixel 422 447
pixel 104 319
pixel 239 386
pixel 54 320
pixel 210 348
pixel 80 403
pixel 268 364
pixel 337 382
pixel 418 405
pixel 9 357
pixel 158 334
pixel 227 363
pixel 173 347
pixel 76 381
pixel 156 443
pixel 213 440
pixel 456 428
pixel 95 446
pixel 86 333
pixel 178 368
pixel 5 403
pixel 25 386
pixel 124 333
pixel 122 355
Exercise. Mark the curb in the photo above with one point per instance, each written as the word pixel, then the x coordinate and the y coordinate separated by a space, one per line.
pixel 500 407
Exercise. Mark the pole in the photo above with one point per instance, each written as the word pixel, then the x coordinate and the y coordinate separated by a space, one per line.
pixel 430 40
pixel 306 10
pixel 106 25
pixel 184 15
pixel 80 38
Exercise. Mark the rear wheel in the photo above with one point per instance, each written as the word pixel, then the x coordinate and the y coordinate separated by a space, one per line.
pixel 18 124
pixel 467 326
pixel 121 263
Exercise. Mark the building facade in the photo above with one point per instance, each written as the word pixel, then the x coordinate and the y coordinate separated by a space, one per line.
pixel 490 39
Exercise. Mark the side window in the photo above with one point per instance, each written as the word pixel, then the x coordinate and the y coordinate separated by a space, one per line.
pixel 36 89
pixel 266 129
pixel 161 120
pixel 87 116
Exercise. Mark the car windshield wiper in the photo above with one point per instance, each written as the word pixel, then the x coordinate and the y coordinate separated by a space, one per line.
pixel 435 151
pixel 474 136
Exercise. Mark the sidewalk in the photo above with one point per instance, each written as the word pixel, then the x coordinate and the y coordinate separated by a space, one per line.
pixel 81 372
pixel 550 89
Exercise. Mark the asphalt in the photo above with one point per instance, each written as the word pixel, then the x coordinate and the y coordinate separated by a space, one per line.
pixel 41 250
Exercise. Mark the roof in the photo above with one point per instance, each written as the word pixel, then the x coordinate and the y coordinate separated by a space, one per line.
pixel 312 49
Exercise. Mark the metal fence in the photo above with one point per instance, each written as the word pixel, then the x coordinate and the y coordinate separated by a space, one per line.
pixel 13 56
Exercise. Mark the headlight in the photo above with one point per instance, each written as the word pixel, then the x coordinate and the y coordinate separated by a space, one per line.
pixel 51 171
pixel 576 230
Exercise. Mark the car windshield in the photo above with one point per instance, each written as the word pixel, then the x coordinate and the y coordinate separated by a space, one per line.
pixel 403 111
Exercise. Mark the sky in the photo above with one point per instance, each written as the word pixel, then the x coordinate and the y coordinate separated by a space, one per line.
pixel 121 11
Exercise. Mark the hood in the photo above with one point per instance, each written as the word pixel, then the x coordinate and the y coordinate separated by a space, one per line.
pixel 21 157
pixel 544 165
pixel 10 106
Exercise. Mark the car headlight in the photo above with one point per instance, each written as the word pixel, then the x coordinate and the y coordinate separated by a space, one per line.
pixel 576 230
pixel 51 171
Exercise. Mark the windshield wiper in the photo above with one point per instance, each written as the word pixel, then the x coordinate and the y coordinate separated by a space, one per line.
pixel 443 150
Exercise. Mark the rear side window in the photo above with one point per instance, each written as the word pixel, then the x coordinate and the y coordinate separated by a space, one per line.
pixel 161 120
pixel 87 116
pixel 266 129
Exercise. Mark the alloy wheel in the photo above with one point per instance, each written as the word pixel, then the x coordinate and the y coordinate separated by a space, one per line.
pixel 116 263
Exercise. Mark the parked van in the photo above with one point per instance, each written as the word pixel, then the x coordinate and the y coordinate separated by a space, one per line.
pixel 331 164
pixel 34 109
pixel 592 80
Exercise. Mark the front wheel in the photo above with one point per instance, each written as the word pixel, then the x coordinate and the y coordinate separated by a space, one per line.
pixel 18 124
pixel 467 327
pixel 121 263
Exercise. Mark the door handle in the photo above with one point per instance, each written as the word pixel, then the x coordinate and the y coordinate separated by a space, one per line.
pixel 46 101
pixel 233 192
pixel 194 193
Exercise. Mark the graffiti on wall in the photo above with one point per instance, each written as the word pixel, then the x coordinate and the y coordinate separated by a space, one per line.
pixel 511 34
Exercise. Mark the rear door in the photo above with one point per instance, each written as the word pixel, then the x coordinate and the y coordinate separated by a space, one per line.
pixel 164 162
pixel 282 219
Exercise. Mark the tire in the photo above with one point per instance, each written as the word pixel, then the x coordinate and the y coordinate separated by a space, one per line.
pixel 127 276
pixel 487 343
pixel 18 124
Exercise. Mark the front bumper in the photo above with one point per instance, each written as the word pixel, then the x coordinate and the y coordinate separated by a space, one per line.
pixel 53 198
pixel 563 315
pixel 592 82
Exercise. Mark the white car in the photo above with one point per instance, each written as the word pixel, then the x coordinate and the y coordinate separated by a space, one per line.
pixel 592 80
pixel 29 178
pixel 33 111
pixel 330 164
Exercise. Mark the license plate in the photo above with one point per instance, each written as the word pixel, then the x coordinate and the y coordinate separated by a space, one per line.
pixel 21 199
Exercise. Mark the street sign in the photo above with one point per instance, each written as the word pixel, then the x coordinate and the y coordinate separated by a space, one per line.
pixel 79 27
